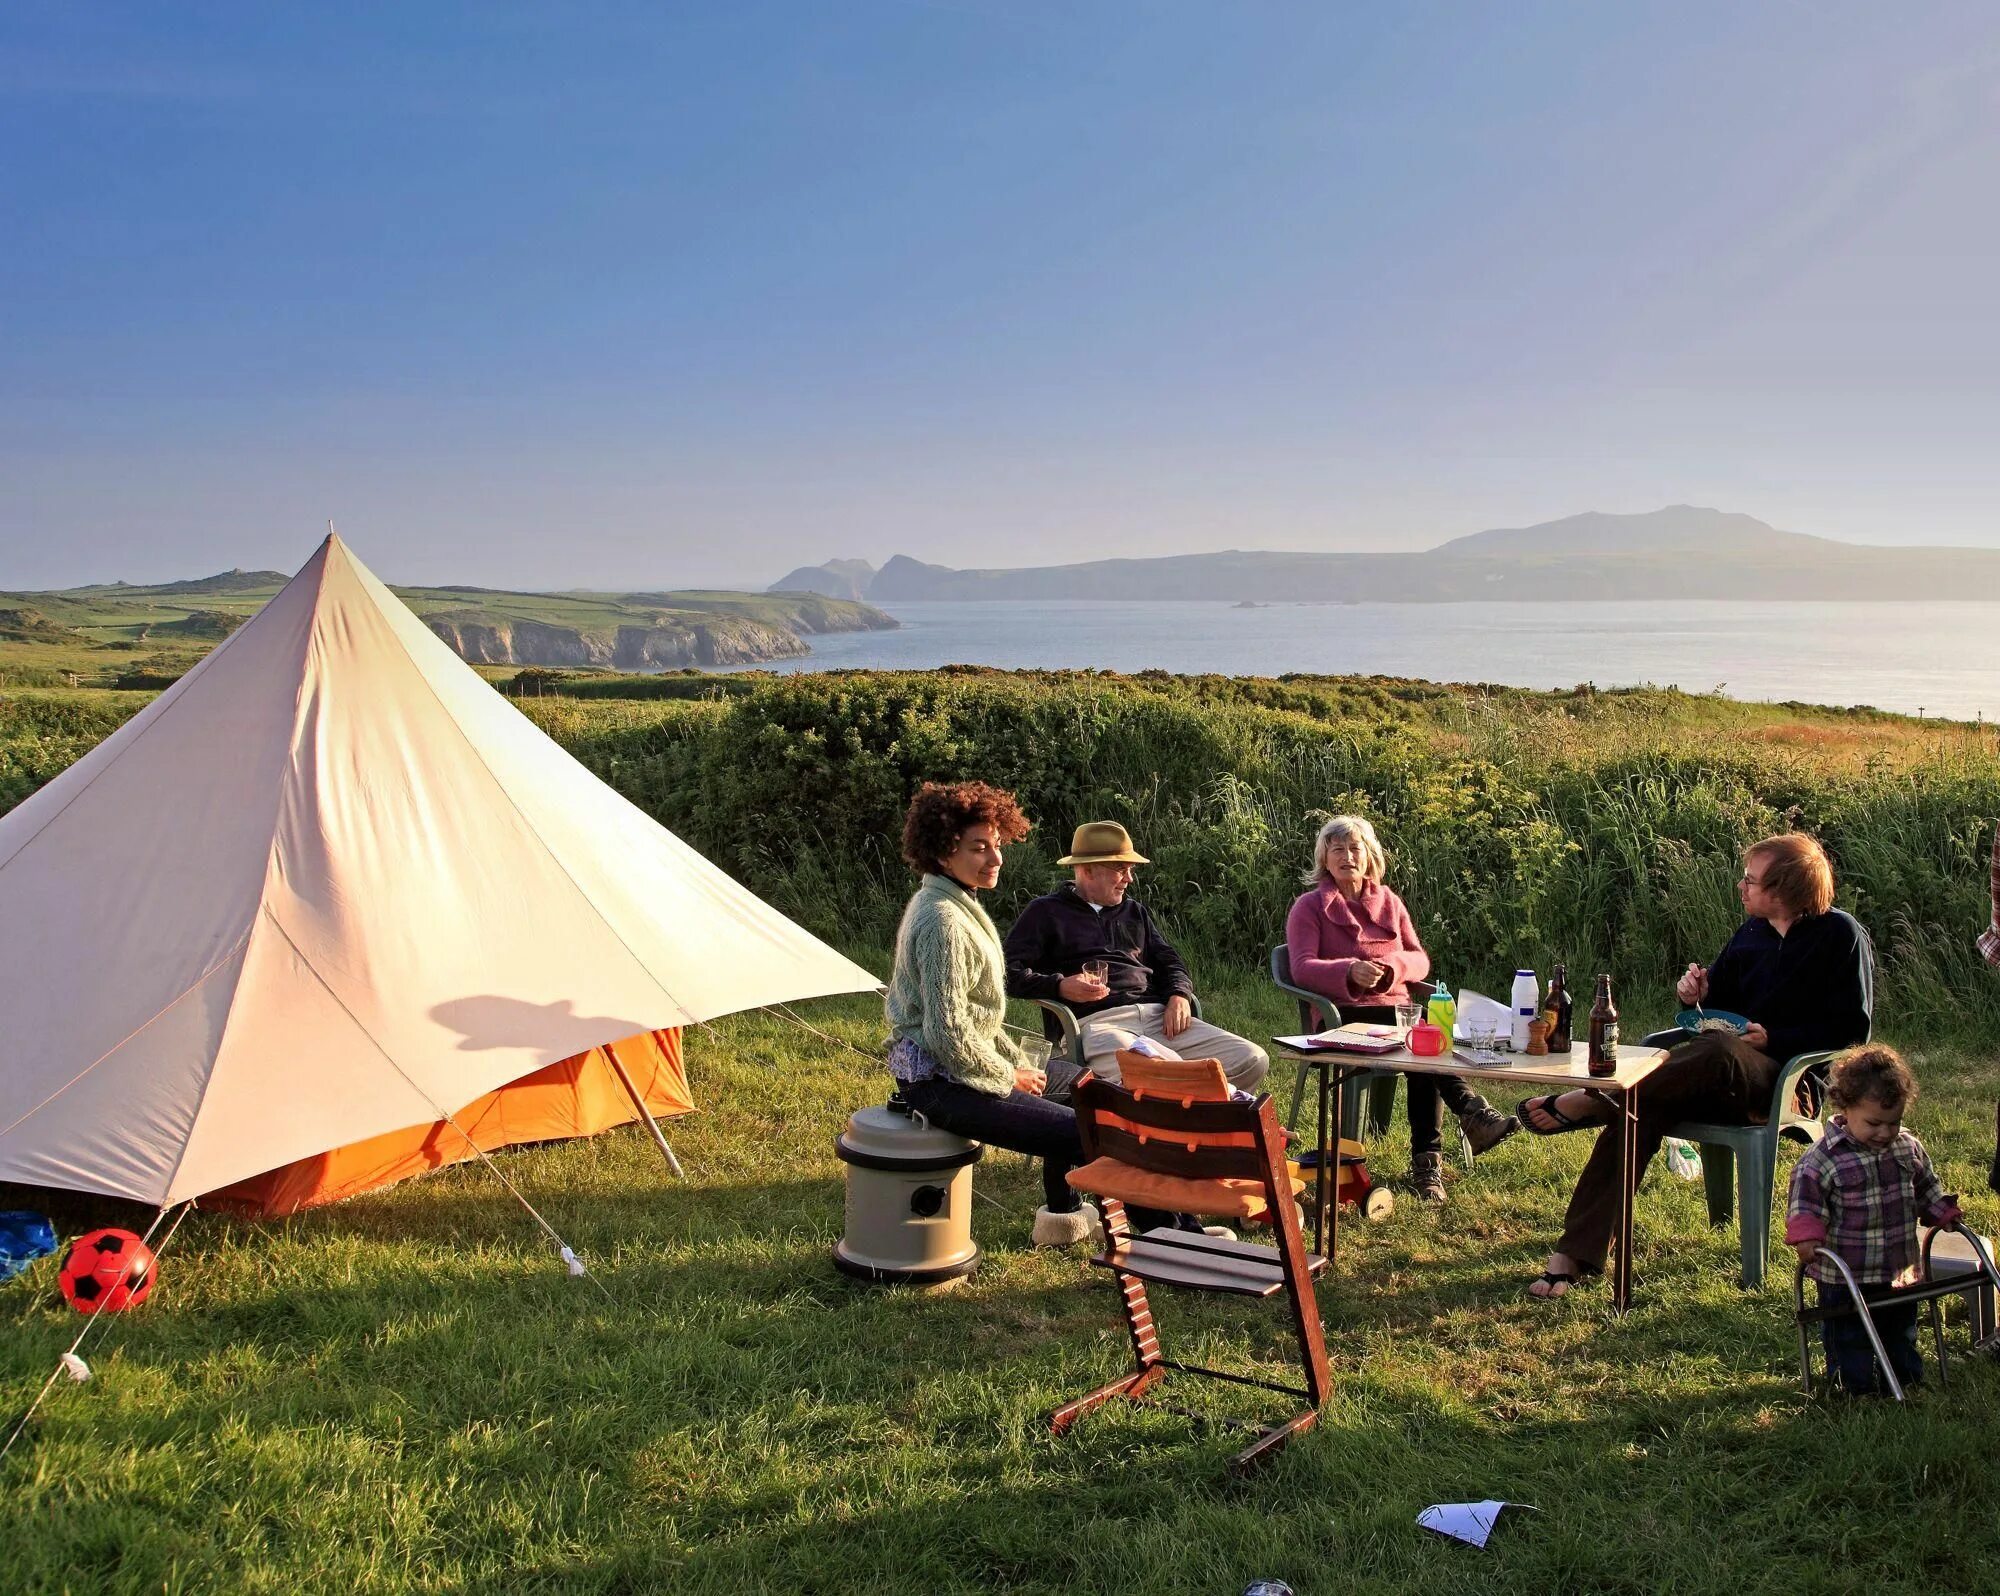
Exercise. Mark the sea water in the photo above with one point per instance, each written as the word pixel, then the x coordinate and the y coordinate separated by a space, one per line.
pixel 1940 658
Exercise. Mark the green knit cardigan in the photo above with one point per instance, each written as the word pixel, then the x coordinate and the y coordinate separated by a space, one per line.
pixel 948 992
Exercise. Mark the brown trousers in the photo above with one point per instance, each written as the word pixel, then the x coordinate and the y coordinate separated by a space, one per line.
pixel 1714 1077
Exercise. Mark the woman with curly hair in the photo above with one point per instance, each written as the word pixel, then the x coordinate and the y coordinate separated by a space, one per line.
pixel 949 1049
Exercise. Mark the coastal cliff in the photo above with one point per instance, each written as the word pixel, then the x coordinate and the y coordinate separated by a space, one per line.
pixel 667 645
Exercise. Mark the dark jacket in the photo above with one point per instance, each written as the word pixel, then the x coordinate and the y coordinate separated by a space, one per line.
pixel 1806 988
pixel 1058 933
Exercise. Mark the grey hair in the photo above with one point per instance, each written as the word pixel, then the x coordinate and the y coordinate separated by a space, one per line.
pixel 1340 829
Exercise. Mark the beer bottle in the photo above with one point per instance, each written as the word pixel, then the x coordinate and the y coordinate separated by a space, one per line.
pixel 1603 1059
pixel 1558 1008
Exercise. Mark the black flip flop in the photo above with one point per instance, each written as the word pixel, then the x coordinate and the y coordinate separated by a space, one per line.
pixel 1547 1104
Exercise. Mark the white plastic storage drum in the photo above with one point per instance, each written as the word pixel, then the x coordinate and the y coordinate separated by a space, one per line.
pixel 909 1198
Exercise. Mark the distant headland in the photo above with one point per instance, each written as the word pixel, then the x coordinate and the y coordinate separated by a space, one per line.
pixel 1680 552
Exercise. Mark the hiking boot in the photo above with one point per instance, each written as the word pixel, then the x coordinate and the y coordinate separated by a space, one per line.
pixel 1486 1127
pixel 1427 1177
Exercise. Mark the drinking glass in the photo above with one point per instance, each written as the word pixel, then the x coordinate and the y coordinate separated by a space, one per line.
pixel 1035 1053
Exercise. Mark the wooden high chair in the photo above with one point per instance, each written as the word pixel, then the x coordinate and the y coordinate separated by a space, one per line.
pixel 1170 1138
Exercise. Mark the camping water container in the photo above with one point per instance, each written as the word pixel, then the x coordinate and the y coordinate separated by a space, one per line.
pixel 909 1198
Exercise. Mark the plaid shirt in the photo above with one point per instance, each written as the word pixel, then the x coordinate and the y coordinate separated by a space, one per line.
pixel 1864 1205
pixel 1989 939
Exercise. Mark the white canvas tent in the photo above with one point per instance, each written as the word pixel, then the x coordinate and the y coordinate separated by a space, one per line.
pixel 330 885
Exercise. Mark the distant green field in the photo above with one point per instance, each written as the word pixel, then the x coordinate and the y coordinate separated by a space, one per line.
pixel 145 636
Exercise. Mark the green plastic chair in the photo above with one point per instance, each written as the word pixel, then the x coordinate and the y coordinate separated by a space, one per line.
pixel 1378 1087
pixel 1065 1038
pixel 1739 1163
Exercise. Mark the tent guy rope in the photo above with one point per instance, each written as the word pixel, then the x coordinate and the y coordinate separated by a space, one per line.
pixel 71 1358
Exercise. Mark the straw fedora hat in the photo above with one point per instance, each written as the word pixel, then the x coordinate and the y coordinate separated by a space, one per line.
pixel 1101 842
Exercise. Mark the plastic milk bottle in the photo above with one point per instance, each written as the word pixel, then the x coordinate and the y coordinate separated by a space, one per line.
pixel 1526 999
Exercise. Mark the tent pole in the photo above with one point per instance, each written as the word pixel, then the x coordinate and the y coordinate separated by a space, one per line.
pixel 645 1113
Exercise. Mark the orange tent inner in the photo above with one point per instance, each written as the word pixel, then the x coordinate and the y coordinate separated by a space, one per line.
pixel 576 1096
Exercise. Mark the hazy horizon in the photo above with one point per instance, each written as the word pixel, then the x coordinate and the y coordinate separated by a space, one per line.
pixel 632 298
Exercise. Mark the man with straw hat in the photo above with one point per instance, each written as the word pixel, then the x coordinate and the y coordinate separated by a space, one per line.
pixel 1094 947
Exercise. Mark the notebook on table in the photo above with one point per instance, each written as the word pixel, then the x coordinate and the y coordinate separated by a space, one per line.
pixel 1355 1038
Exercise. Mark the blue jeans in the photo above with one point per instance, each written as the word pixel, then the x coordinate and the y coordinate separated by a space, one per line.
pixel 1022 1123
pixel 1850 1358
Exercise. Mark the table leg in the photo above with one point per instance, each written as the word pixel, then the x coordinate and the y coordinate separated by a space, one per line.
pixel 1628 1174
pixel 1330 1170
pixel 1325 1070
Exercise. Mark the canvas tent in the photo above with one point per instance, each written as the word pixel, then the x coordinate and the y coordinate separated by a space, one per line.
pixel 329 889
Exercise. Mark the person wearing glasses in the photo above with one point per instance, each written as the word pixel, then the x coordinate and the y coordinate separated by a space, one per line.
pixel 1794 970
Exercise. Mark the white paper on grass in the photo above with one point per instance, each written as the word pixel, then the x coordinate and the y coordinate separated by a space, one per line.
pixel 1471 1522
pixel 1474 1006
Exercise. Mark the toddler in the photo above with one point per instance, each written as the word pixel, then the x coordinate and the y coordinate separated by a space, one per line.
pixel 1859 1193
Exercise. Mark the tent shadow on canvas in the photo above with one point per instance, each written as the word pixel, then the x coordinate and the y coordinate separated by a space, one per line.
pixel 493 1020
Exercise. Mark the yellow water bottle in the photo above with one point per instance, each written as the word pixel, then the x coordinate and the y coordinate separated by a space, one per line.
pixel 1442 1011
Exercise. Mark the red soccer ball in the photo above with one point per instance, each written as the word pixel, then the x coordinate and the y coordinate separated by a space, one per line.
pixel 107 1271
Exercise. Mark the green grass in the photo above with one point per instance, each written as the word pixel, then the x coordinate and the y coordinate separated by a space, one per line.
pixel 405 1393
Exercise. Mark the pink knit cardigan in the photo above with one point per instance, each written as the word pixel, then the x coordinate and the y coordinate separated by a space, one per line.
pixel 1327 932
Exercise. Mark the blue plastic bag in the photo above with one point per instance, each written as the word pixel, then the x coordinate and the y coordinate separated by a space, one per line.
pixel 24 1237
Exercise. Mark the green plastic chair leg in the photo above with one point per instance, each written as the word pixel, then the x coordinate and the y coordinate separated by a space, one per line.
pixel 1718 1179
pixel 1754 1180
pixel 1381 1102
pixel 1298 1096
pixel 1350 1106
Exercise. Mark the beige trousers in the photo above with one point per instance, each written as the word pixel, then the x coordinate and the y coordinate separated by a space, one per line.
pixel 1106 1031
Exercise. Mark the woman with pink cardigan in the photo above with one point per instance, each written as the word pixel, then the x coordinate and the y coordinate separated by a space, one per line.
pixel 1351 941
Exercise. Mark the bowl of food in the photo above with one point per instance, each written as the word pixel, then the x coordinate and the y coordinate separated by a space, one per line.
pixel 1695 1021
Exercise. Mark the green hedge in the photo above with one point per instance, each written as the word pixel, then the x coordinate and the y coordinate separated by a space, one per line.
pixel 1599 828
pixel 1512 839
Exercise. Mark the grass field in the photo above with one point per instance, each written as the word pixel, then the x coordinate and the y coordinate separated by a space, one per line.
pixel 406 1393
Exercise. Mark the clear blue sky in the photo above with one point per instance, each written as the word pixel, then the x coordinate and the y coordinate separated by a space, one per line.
pixel 569 295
